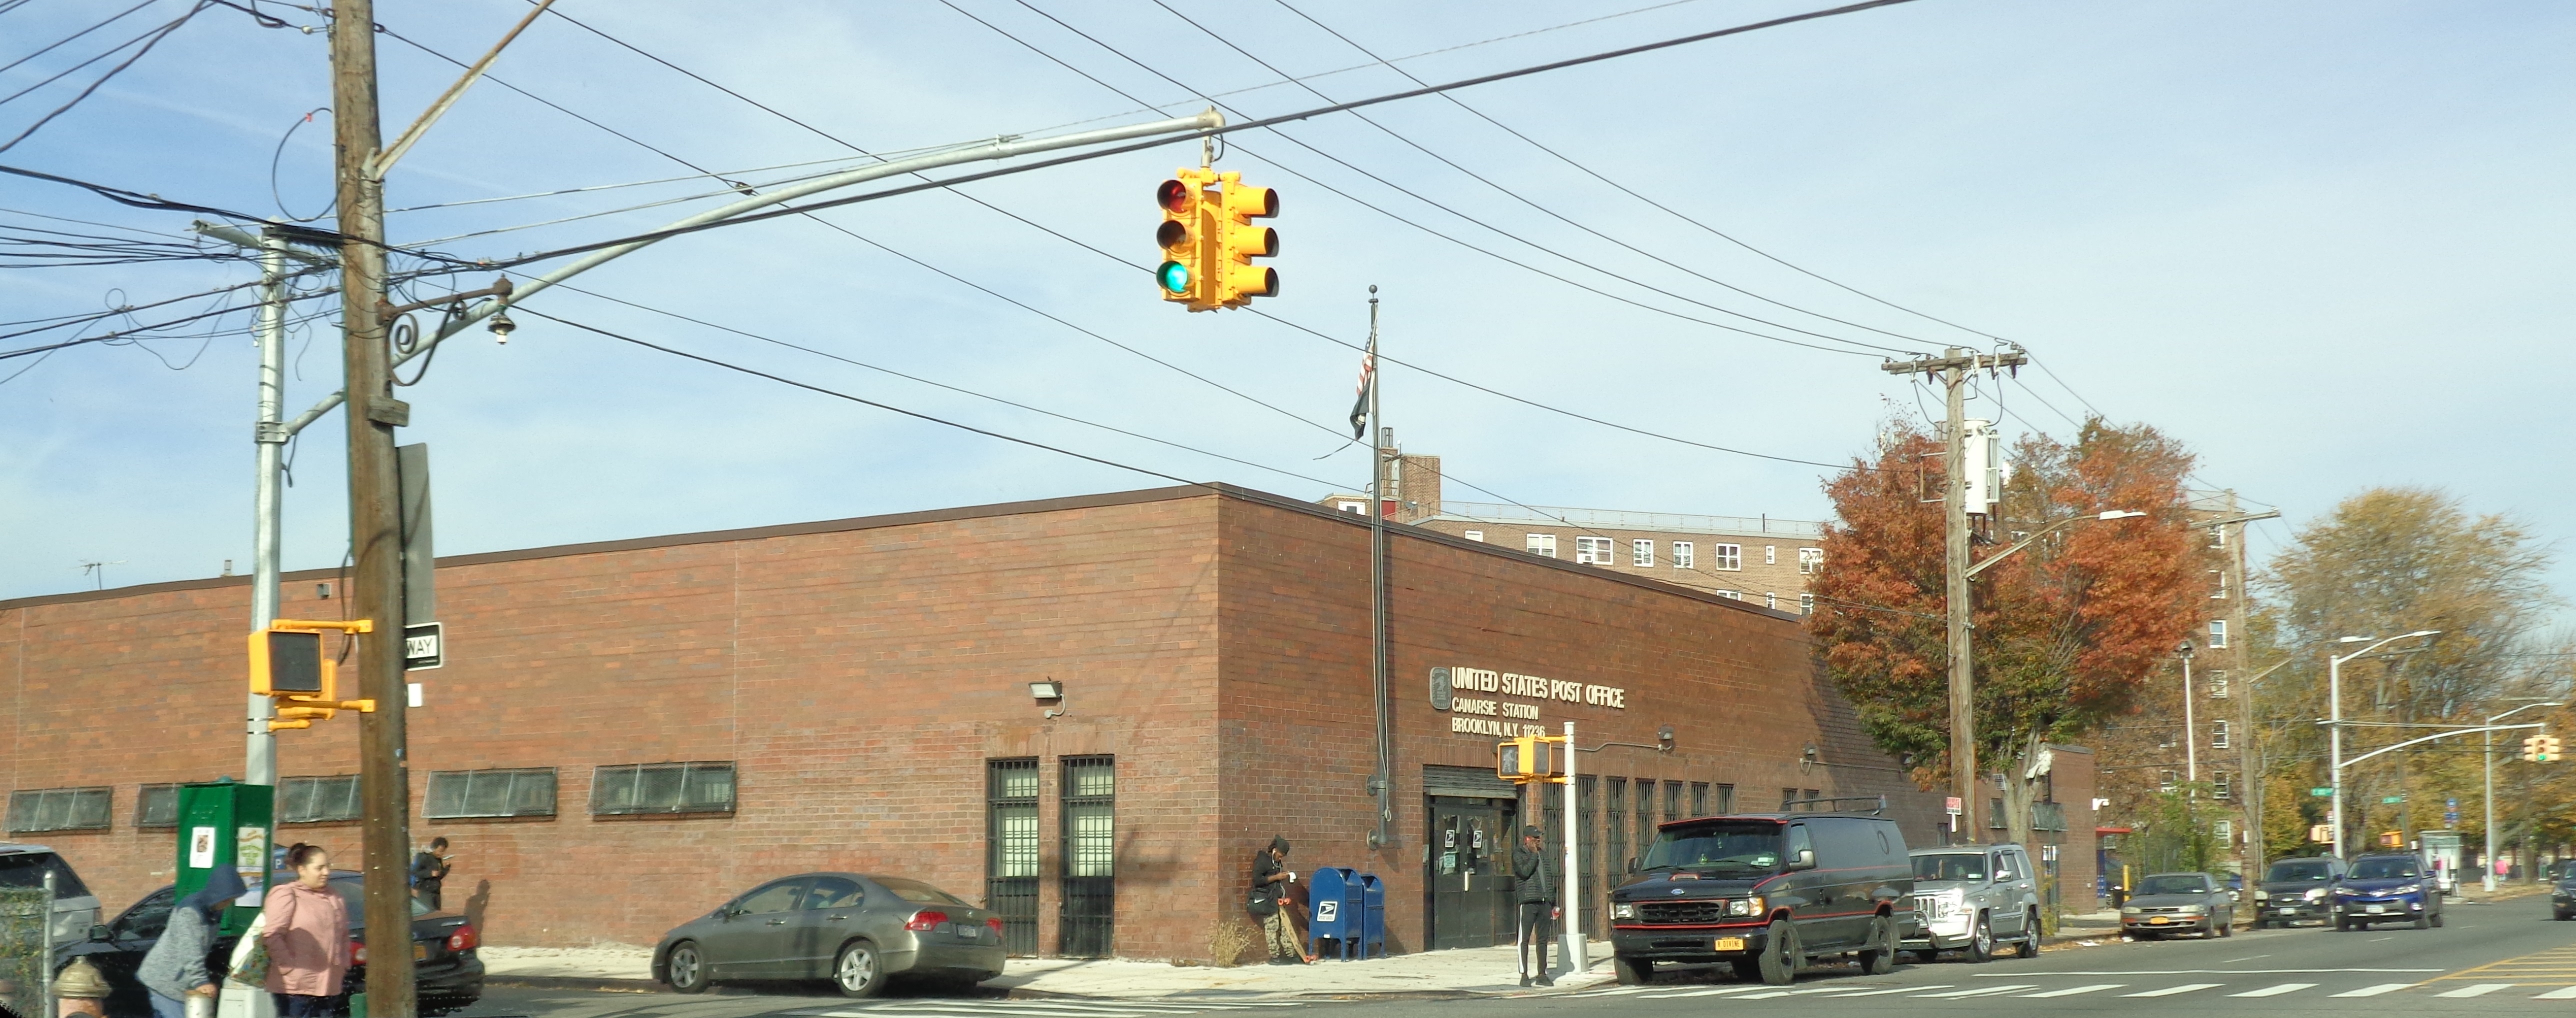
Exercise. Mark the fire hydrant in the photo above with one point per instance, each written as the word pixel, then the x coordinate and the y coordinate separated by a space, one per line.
pixel 81 990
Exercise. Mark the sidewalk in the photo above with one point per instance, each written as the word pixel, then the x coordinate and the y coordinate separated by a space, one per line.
pixel 1469 971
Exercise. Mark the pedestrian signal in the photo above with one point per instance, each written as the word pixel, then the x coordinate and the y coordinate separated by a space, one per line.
pixel 287 666
pixel 1528 759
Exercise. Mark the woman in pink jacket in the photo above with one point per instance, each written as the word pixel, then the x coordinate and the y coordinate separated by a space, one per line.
pixel 305 925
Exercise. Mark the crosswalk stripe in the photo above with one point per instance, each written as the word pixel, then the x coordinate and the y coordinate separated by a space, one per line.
pixel 2073 991
pixel 1891 989
pixel 2475 990
pixel 1981 991
pixel 2275 991
pixel 2174 990
pixel 2561 993
pixel 2373 991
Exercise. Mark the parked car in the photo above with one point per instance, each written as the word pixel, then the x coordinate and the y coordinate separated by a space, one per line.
pixel 1765 893
pixel 1968 898
pixel 2387 887
pixel 858 930
pixel 447 973
pixel 75 908
pixel 2562 898
pixel 2170 903
pixel 2295 890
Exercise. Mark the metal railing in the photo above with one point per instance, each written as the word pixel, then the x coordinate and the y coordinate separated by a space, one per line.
pixel 1620 519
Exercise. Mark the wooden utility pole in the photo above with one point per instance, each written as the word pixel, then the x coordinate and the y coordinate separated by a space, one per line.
pixel 375 523
pixel 1953 368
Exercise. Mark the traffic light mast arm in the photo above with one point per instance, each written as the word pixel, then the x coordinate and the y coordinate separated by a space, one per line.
pixel 2441 735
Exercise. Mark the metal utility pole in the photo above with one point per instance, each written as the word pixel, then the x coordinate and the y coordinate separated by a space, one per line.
pixel 1382 782
pixel 1576 948
pixel 1953 368
pixel 259 757
pixel 2190 748
pixel 375 522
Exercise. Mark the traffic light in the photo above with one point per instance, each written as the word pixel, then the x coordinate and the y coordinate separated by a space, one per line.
pixel 287 666
pixel 1528 759
pixel 2531 749
pixel 1241 241
pixel 1188 239
pixel 2546 750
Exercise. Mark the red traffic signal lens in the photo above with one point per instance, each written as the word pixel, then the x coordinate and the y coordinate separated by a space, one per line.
pixel 1173 196
pixel 1175 277
pixel 1171 233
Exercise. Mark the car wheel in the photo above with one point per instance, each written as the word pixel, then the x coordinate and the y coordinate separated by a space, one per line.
pixel 2423 920
pixel 1879 958
pixel 2227 929
pixel 2032 931
pixel 1780 954
pixel 855 970
pixel 1631 971
pixel 1981 942
pixel 2437 920
pixel 2342 925
pixel 686 967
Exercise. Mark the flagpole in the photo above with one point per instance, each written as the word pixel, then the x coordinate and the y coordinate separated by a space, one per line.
pixel 1384 779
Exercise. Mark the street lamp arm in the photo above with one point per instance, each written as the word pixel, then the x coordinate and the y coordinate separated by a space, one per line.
pixel 1989 560
pixel 2439 735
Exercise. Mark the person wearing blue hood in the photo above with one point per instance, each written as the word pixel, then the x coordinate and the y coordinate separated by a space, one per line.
pixel 176 966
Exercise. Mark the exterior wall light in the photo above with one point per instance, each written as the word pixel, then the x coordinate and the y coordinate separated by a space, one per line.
pixel 1047 690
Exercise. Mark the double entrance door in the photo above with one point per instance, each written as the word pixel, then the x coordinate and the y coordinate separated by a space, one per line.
pixel 1470 874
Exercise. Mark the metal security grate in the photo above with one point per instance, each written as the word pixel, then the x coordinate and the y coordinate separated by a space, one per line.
pixel 318 800
pixel 1090 883
pixel 527 792
pixel 692 787
pixel 1011 854
pixel 61 809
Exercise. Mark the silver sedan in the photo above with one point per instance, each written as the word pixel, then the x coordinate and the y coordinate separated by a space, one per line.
pixel 857 930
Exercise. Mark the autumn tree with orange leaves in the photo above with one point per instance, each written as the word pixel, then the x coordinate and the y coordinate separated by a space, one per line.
pixel 2066 632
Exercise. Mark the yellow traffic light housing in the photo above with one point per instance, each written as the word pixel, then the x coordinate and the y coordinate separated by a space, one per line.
pixel 1529 759
pixel 2531 749
pixel 287 666
pixel 1240 241
pixel 1188 239
pixel 2547 749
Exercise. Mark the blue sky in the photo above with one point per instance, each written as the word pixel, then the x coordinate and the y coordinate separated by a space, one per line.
pixel 2324 243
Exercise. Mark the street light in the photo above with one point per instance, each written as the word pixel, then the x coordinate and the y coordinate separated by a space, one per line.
pixel 2334 718
pixel 2190 738
pixel 2114 514
pixel 2487 879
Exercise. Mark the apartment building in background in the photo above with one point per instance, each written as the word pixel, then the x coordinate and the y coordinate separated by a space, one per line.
pixel 1760 560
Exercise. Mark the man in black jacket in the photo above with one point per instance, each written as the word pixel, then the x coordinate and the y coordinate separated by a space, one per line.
pixel 1539 874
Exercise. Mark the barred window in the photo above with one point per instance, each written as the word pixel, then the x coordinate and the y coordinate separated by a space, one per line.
pixel 528 792
pixel 61 809
pixel 318 800
pixel 693 787
pixel 1090 791
pixel 157 806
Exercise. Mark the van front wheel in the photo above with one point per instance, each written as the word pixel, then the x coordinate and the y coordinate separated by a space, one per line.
pixel 1780 954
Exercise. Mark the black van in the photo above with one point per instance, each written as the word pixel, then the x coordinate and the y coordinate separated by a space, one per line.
pixel 1766 892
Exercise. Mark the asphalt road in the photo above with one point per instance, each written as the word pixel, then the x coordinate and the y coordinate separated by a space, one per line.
pixel 2508 958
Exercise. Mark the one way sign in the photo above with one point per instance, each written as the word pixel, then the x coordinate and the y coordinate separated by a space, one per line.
pixel 424 646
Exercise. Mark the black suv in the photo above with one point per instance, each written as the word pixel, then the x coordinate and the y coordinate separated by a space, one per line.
pixel 1765 892
pixel 2297 889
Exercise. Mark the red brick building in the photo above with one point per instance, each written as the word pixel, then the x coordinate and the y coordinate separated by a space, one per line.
pixel 628 732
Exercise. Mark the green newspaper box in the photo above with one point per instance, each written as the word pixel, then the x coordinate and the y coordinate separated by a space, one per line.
pixel 226 825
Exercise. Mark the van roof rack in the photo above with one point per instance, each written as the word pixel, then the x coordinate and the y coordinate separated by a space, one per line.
pixel 1877 805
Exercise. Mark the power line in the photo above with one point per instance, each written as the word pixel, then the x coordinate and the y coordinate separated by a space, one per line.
pixel 1139 146
pixel 66 107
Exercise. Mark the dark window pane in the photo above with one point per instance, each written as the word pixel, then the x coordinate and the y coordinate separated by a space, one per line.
pixel 157 806
pixel 779 897
pixel 833 892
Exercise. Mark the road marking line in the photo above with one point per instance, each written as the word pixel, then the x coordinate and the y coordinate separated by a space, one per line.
pixel 2173 990
pixel 2475 990
pixel 2074 991
pixel 2373 991
pixel 2250 957
pixel 2199 972
pixel 1616 992
pixel 1981 991
pixel 1041 1009
pixel 1892 989
pixel 2562 993
pixel 2275 991
pixel 1701 993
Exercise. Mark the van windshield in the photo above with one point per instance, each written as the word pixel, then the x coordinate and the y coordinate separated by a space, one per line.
pixel 1738 847
pixel 2311 870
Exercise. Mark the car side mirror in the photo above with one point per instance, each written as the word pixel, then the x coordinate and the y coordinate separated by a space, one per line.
pixel 1632 864
pixel 1804 859
pixel 101 933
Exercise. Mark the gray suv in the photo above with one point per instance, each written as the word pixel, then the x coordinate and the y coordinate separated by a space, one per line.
pixel 1971 897
pixel 75 908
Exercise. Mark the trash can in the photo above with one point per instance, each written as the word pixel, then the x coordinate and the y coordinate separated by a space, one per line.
pixel 1337 911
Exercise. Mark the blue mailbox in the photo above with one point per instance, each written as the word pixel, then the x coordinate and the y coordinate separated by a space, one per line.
pixel 1337 911
pixel 1373 916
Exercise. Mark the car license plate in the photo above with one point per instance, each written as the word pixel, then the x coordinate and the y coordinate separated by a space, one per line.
pixel 2374 909
pixel 1730 943
pixel 2157 920
pixel 420 952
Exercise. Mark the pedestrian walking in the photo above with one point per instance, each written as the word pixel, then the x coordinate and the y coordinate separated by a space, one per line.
pixel 429 872
pixel 175 969
pixel 1538 874
pixel 1270 879
pixel 305 926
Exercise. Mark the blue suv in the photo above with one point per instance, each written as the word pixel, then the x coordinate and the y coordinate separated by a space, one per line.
pixel 2387 887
